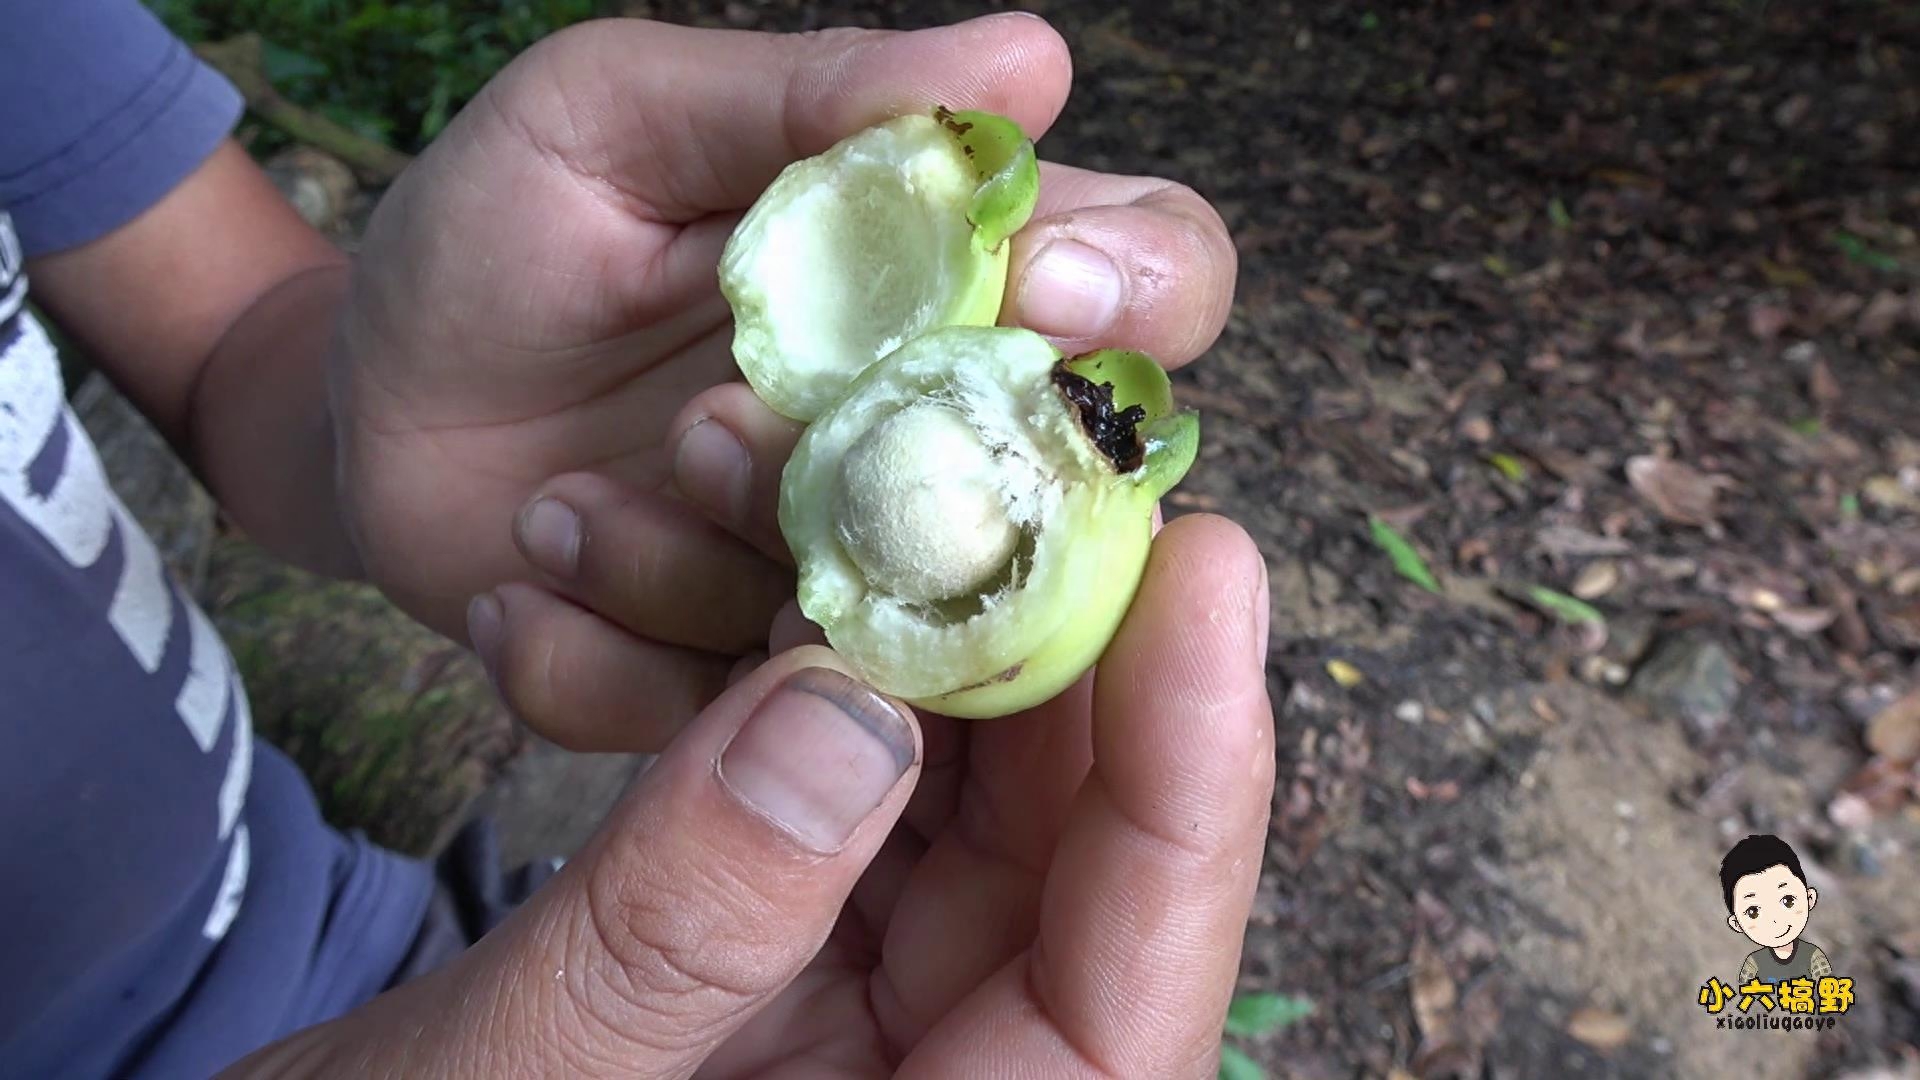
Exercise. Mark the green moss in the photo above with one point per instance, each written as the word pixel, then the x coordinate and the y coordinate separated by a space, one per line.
pixel 396 71
pixel 397 728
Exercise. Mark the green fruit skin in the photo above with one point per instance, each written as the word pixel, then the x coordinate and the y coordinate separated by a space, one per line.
pixel 1110 527
pixel 1076 645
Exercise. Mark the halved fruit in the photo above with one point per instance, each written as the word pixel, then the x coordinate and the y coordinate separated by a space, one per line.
pixel 894 231
pixel 971 520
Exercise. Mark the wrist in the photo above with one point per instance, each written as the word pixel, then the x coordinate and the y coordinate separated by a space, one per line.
pixel 260 424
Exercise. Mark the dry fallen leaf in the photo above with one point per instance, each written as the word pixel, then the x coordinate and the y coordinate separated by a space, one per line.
pixel 1894 733
pixel 1566 541
pixel 1804 621
pixel 1434 995
pixel 1681 493
pixel 1886 311
pixel 1821 385
pixel 1604 1031
pixel 1445 791
pixel 1596 580
pixel 1766 321
pixel 1883 786
pixel 1889 492
pixel 1345 674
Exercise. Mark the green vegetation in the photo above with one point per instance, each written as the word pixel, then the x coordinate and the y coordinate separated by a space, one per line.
pixel 1253 1016
pixel 396 72
pixel 1406 560
pixel 1563 607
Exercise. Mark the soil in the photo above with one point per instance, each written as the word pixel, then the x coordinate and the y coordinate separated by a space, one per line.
pixel 1615 299
pixel 1610 313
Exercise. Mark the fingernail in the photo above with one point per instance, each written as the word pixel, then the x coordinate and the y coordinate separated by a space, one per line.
pixel 818 756
pixel 712 468
pixel 549 532
pixel 1070 291
pixel 485 617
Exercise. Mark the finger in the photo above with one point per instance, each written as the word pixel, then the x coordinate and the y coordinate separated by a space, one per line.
pixel 1122 262
pixel 729 450
pixel 1154 877
pixel 792 629
pixel 1012 802
pixel 582 682
pixel 650 565
pixel 676 122
pixel 712 884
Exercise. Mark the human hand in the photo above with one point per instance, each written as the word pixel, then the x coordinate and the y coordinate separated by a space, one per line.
pixel 536 324
pixel 811 881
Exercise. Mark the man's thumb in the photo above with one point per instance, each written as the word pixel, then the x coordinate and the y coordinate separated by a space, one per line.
pixel 709 888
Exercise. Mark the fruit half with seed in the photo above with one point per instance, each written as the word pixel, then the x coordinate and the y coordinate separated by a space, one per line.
pixel 894 231
pixel 972 518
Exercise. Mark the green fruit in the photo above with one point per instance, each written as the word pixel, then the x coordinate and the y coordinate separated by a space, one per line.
pixel 969 510
pixel 894 231
pixel 972 519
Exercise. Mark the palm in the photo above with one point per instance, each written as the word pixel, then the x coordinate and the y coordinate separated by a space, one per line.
pixel 564 335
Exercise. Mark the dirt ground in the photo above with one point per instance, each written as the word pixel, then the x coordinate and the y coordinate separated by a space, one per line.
pixel 1620 300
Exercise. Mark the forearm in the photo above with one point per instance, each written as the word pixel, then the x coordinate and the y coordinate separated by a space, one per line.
pixel 213 312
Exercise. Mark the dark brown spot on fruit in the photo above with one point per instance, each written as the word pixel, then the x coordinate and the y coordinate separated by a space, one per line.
pixel 1112 431
pixel 944 117
pixel 1006 676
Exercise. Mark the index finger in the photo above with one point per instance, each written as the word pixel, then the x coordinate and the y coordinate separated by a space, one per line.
pixel 1147 898
pixel 682 122
pixel 1127 262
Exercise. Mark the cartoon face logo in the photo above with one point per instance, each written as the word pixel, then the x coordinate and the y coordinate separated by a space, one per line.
pixel 1768 903
pixel 1771 907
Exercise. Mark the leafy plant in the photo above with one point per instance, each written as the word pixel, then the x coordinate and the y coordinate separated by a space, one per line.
pixel 395 71
pixel 1563 607
pixel 1251 1016
pixel 1856 250
pixel 1406 560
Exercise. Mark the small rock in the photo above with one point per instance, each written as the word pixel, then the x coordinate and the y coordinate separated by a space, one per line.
pixel 1850 812
pixel 1410 712
pixel 1602 671
pixel 319 186
pixel 1861 858
pixel 1690 676
pixel 1793 110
